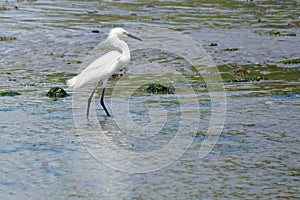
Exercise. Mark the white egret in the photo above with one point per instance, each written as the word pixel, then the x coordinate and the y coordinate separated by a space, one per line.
pixel 100 70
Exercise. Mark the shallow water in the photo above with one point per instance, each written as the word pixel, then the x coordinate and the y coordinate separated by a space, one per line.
pixel 44 154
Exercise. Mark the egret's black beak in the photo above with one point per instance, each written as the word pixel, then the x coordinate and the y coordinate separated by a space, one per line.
pixel 134 37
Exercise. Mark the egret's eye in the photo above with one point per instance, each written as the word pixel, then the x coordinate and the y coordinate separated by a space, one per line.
pixel 125 33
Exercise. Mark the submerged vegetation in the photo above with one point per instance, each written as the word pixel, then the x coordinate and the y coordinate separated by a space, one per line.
pixel 246 79
pixel 260 78
pixel 233 73
pixel 9 93
pixel 278 33
pixel 290 61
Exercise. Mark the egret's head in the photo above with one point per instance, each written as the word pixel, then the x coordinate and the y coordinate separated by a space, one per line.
pixel 122 32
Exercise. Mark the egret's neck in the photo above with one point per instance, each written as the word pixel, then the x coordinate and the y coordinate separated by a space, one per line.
pixel 115 41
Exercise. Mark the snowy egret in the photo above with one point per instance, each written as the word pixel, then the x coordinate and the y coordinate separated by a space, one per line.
pixel 100 70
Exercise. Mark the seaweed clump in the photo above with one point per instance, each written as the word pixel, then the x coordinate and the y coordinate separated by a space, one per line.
pixel 57 92
pixel 230 49
pixel 160 88
pixel 4 38
pixel 213 44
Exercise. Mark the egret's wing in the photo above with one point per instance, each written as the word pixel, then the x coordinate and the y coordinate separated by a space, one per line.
pixel 102 61
pixel 96 70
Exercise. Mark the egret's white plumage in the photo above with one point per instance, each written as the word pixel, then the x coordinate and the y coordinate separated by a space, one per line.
pixel 101 69
pixel 96 71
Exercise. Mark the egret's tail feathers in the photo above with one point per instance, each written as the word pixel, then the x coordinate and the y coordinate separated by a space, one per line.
pixel 72 82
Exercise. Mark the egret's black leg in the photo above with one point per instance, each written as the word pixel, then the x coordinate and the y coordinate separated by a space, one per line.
pixel 102 102
pixel 89 103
